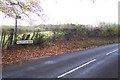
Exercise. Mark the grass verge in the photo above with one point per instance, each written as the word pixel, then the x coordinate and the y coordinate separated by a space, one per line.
pixel 22 53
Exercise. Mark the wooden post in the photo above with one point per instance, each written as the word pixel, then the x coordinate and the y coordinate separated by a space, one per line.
pixel 15 37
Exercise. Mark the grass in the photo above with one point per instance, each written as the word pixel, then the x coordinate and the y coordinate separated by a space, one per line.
pixel 47 35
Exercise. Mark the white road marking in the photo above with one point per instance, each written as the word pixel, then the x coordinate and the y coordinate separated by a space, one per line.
pixel 49 62
pixel 112 52
pixel 82 65
pixel 76 68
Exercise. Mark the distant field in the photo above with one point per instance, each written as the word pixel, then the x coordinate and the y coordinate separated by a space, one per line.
pixel 19 27
pixel 26 31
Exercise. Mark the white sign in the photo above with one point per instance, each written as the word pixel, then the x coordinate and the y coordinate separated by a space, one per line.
pixel 25 42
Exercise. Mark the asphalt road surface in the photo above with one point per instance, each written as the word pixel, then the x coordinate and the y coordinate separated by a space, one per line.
pixel 99 62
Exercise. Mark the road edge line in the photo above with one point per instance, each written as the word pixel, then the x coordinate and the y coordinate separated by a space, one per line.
pixel 70 71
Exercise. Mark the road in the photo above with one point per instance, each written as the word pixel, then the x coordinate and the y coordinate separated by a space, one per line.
pixel 99 62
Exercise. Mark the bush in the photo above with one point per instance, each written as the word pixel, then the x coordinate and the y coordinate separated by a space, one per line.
pixel 39 40
pixel 67 36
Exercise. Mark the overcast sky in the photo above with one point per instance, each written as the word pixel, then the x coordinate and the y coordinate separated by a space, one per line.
pixel 73 11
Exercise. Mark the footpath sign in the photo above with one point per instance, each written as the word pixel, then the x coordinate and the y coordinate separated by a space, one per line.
pixel 25 42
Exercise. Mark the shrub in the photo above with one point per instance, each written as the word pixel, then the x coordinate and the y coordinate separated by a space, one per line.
pixel 39 40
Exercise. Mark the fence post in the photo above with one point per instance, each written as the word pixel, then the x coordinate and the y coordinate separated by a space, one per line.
pixel 11 37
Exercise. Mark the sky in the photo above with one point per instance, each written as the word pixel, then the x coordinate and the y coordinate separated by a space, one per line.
pixel 87 12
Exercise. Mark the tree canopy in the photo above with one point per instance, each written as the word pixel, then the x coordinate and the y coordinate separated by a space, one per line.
pixel 12 8
pixel 17 7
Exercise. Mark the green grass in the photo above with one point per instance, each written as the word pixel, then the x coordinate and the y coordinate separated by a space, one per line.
pixel 47 35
